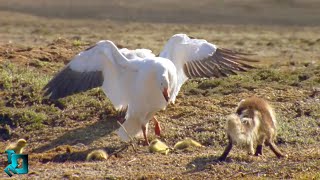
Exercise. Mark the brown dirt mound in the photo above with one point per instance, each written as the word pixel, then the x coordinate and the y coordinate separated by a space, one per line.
pixel 60 50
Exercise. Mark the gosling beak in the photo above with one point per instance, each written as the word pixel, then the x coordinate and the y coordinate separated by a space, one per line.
pixel 165 94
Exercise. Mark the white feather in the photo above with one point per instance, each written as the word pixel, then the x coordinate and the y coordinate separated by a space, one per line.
pixel 130 79
pixel 180 49
pixel 137 53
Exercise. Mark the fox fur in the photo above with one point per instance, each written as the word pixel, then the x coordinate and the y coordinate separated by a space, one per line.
pixel 253 123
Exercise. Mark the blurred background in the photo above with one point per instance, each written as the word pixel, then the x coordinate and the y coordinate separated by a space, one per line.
pixel 259 12
pixel 38 37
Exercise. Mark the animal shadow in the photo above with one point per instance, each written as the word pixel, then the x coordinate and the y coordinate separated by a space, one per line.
pixel 85 135
pixel 78 156
pixel 201 163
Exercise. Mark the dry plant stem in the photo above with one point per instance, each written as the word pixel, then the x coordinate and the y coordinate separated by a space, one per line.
pixel 131 139
pixel 130 143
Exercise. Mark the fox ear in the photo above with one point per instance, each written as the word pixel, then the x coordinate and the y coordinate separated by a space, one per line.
pixel 238 107
pixel 239 110
pixel 241 102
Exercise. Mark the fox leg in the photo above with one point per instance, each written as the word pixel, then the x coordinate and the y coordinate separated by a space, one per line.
pixel 250 148
pixel 223 157
pixel 259 146
pixel 274 149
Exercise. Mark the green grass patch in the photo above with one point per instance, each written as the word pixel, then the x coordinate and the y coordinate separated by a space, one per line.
pixel 23 105
pixel 303 130
pixel 305 77
pixel 78 43
pixel 25 118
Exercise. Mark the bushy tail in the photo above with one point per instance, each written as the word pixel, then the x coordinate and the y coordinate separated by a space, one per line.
pixel 262 106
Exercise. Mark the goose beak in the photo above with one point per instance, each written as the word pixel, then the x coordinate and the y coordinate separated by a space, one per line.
pixel 165 94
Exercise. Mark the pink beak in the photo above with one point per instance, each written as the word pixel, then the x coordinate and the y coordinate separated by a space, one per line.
pixel 165 94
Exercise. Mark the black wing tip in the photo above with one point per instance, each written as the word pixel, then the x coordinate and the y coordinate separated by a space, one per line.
pixel 222 63
pixel 48 93
pixel 237 57
pixel 240 56
pixel 122 111
pixel 68 82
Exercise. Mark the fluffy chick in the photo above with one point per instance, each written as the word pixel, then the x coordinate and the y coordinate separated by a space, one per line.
pixel 97 155
pixel 18 146
pixel 158 146
pixel 187 143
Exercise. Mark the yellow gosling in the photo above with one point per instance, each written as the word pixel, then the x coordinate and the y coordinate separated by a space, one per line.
pixel 17 146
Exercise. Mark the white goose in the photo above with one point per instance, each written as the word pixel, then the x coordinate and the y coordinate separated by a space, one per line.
pixel 144 84
pixel 135 78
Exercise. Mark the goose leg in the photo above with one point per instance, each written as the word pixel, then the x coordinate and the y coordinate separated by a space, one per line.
pixel 144 131
pixel 157 128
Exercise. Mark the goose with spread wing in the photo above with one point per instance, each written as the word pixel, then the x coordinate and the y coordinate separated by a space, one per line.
pixel 143 84
pixel 139 82
pixel 197 58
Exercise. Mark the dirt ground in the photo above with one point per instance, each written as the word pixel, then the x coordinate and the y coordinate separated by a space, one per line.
pixel 61 133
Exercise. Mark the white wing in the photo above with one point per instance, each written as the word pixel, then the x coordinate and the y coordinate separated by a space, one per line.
pixel 99 65
pixel 197 58
pixel 133 85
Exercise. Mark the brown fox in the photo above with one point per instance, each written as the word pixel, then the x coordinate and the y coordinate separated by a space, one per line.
pixel 253 122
